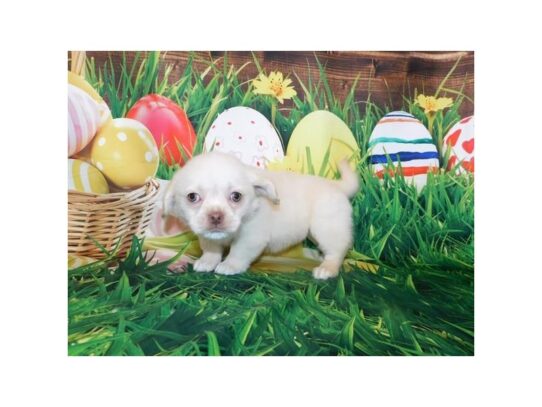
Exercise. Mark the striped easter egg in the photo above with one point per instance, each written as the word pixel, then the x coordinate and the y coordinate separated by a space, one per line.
pixel 81 83
pixel 400 141
pixel 83 177
pixel 83 119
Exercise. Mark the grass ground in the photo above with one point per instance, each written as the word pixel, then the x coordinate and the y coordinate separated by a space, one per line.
pixel 419 302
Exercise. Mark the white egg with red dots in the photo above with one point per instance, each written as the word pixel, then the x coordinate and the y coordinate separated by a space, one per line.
pixel 246 134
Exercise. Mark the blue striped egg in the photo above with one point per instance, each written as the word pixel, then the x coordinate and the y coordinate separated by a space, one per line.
pixel 401 140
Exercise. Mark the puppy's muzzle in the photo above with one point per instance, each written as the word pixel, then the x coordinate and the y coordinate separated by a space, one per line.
pixel 215 218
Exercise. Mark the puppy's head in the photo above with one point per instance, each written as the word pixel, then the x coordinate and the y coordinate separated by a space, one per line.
pixel 214 192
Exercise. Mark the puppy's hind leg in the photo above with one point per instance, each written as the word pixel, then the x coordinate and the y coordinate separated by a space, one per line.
pixel 331 228
pixel 212 255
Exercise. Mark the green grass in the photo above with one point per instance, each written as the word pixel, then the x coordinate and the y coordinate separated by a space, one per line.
pixel 420 302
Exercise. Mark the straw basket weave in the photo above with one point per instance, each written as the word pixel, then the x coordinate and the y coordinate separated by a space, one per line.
pixel 108 219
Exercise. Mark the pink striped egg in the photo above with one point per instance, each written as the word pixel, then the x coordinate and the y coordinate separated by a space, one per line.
pixel 83 119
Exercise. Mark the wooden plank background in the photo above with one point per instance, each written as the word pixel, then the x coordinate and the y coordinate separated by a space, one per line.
pixel 386 75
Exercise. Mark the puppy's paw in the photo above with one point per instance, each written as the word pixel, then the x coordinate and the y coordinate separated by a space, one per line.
pixel 207 262
pixel 325 270
pixel 229 268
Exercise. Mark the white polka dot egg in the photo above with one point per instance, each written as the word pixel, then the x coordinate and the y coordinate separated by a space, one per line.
pixel 125 152
pixel 247 134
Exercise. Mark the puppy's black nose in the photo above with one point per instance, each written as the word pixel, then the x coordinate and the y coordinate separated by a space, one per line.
pixel 216 218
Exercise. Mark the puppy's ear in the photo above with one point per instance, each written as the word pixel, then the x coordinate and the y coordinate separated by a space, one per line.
pixel 168 202
pixel 265 188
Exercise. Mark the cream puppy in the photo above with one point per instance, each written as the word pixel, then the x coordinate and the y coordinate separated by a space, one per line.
pixel 248 210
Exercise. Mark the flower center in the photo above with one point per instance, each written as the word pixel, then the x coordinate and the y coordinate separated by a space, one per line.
pixel 431 105
pixel 276 87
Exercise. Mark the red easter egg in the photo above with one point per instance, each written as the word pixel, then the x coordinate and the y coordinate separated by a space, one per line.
pixel 168 124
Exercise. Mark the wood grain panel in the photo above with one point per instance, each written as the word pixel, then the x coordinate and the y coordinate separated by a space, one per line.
pixel 386 75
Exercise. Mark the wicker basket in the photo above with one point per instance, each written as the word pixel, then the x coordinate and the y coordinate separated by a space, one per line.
pixel 108 219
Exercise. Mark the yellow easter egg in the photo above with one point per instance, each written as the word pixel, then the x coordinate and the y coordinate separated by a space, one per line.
pixel 81 83
pixel 314 135
pixel 83 177
pixel 75 261
pixel 286 164
pixel 125 152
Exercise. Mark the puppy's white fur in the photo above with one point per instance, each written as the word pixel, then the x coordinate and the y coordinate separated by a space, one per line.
pixel 276 210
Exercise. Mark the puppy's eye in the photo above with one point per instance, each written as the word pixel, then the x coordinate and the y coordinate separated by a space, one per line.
pixel 236 196
pixel 193 197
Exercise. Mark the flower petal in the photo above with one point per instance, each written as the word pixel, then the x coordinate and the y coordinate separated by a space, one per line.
pixel 443 103
pixel 286 82
pixel 288 93
pixel 421 100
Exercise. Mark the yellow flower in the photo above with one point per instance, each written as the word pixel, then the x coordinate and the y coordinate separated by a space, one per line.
pixel 274 85
pixel 431 104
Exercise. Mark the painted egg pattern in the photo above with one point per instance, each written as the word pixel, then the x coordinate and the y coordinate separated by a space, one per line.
pixel 401 138
pixel 247 134
pixel 81 83
pixel 460 139
pixel 83 119
pixel 125 152
pixel 83 177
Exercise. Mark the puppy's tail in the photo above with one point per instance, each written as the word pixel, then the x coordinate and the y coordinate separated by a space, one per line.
pixel 349 182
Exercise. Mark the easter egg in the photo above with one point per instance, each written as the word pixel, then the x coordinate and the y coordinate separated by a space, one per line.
pixel 247 134
pixel 168 124
pixel 320 141
pixel 404 141
pixel 83 177
pixel 460 141
pixel 286 164
pixel 83 119
pixel 84 154
pixel 81 83
pixel 125 152
pixel 75 261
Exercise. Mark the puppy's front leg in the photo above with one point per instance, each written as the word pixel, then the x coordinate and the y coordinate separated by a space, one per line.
pixel 242 253
pixel 212 255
